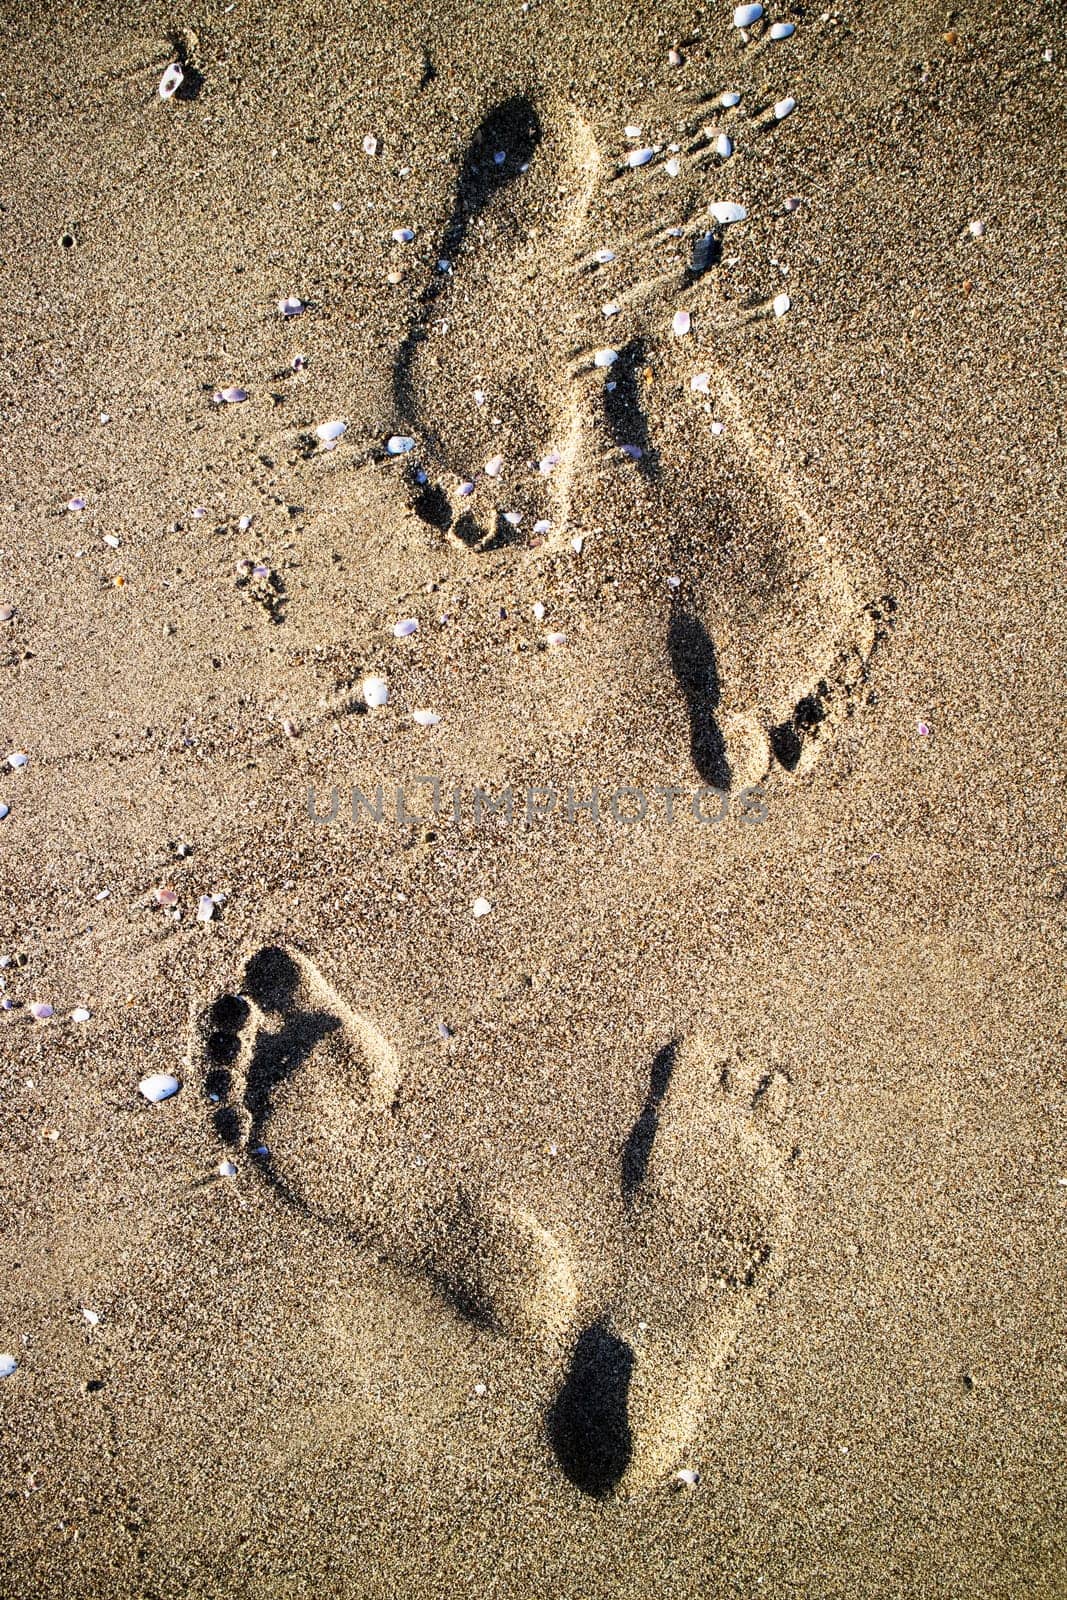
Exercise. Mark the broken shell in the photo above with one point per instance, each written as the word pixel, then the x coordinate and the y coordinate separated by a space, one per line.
pixel 640 158
pixel 80 1014
pixel 91 1317
pixel 40 1011
pixel 602 257
pixel 605 358
pixel 465 489
pixel 700 382
pixel 542 527
pixel 481 907
pixel 792 202
pixel 5 811
pixel 675 58
pixel 546 463
pixel 781 30
pixel 206 908
pixel 513 517
pixel 731 98
pixel 612 308
pixel 329 431
pixel 167 895
pixel 672 167
pixel 781 304
pixel 425 719
pixel 681 324
pixel 727 211
pixel 555 639
pixel 291 306
pixel 976 228
pixel 493 466
pixel 159 1086
pixel 405 628
pixel 227 1169
pixel 634 451
pixel 688 1477
pixel 403 235
pixel 17 759
pixel 231 396
pixel 171 81
pixel 375 691
pixel 6 613
pixel 370 145
pixel 400 444
pixel 77 502
pixel 8 1365
pixel 723 146
pixel 784 107
pixel 745 16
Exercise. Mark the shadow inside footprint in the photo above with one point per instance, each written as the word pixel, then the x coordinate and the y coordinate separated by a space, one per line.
pixel 272 980
pixel 589 1423
pixel 625 415
pixel 637 1150
pixel 692 654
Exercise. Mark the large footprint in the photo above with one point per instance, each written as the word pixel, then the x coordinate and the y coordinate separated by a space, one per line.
pixel 304 1089
pixel 706 1214
pixel 481 379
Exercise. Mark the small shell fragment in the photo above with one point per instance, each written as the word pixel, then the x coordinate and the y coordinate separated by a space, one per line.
pixel 40 1011
pixel 226 1169
pixel 375 691
pixel 731 98
pixel 481 907
pixel 784 107
pixel 206 907
pixel 723 146
pixel 171 81
pixel 688 1477
pixel 159 1086
pixel 8 1365
pixel 400 444
pixel 166 895
pixel 403 235
pixel 231 396
pixel 370 145
pixel 727 211
pixel 5 811
pixel 291 306
pixel 17 759
pixel 91 1317
pixel 425 719
pixel 555 640
pixel 792 202
pixel 745 16
pixel 80 1014
pixel 605 358
pixel 700 382
pixel 6 613
pixel 494 466
pixel 640 158
pixel 603 256
pixel 976 228
pixel 77 502
pixel 542 526
pixel 546 463
pixel 672 167
pixel 681 324
pixel 781 30
pixel 781 304
pixel 328 432
pixel 406 627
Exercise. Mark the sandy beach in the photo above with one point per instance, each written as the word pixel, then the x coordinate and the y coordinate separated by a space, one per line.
pixel 532 870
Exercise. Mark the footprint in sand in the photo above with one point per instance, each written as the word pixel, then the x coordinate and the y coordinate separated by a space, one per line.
pixel 307 1089
pixel 706 1212
pixel 767 632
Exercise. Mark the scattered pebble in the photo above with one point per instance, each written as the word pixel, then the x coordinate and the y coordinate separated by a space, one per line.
pixel 745 16
pixel 640 158
pixel 481 907
pixel 8 1365
pixel 158 1086
pixel 171 81
pixel 781 30
pixel 727 211
pixel 784 107
pixel 675 58
pixel 375 691
pixel 425 719
pixel 400 444
pixel 40 1010
pixel 781 304
pixel 681 324
pixel 406 627
pixel 723 146
pixel 632 131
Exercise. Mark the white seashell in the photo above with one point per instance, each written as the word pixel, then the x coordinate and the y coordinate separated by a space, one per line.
pixel 6 613
pixel 159 1086
pixel 781 304
pixel 546 463
pixel 494 466
pixel 688 1476
pixel 481 907
pixel 17 759
pixel 640 158
pixel 403 235
pixel 674 58
pixel 405 628
pixel 700 382
pixel 632 131
pixel 602 257
pixel 611 309
pixel 76 502
pixel 718 427
pixel 723 146
pixel 91 1317
pixel 539 610
pixel 731 98
pixel 479 397
pixel 112 540
pixel 727 211
pixel 167 895
pixel 672 167
pixel 5 811
pixel 400 444
pixel 329 431
pixel 80 1014
pixel 976 228
pixel 425 719
pixel 745 16
pixel 206 908
pixel 781 30
pixel 681 324
pixel 375 691
pixel 784 107
pixel 543 526
pixel 40 1011
pixel 8 1365
pixel 605 358
pixel 555 639
pixel 231 396
pixel 793 202
pixel 513 517
pixel 634 451
pixel 578 543
pixel 465 489
pixel 291 306
pixel 227 1169
pixel 171 81
pixel 370 145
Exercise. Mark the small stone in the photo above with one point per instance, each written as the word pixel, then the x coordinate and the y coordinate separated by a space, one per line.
pixel 375 691
pixel 481 907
